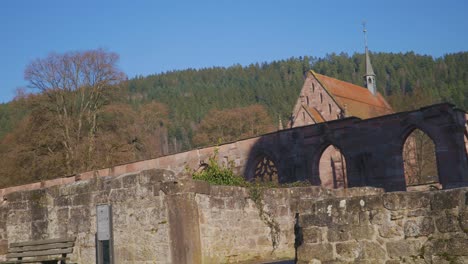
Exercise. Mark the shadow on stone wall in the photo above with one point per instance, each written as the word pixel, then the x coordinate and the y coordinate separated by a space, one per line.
pixel 373 149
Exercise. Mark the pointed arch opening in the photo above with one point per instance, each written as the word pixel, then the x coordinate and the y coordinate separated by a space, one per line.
pixel 419 159
pixel 332 168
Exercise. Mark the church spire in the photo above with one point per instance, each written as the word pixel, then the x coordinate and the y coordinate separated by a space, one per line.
pixel 370 75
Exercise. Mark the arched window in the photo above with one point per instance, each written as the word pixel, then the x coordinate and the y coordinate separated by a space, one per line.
pixel 329 108
pixel 303 116
pixel 321 98
pixel 313 87
pixel 265 170
pixel 332 168
pixel 307 100
pixel 419 159
pixel 370 80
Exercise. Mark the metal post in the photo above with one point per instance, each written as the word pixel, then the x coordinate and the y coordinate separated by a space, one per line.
pixel 104 236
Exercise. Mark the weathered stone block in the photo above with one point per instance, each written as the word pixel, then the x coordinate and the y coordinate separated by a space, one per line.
pixel 155 176
pixel 21 205
pixel 81 199
pixel 378 217
pixel 129 180
pixel 312 235
pixel 348 250
pixel 361 232
pixel 39 229
pixel 14 197
pixel 463 219
pixel 400 248
pixel 373 202
pixel 445 200
pixel 310 252
pixel 447 223
pixel 418 212
pixel 419 227
pixel 402 200
pixel 390 230
pixel 122 195
pixel 62 201
pixel 38 212
pixel 371 251
pixel 338 233
pixel 3 246
pixel 79 220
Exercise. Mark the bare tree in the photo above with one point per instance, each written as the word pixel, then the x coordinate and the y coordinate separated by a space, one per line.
pixel 75 84
pixel 419 159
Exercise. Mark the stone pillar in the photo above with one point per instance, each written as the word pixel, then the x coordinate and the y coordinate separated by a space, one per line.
pixel 184 228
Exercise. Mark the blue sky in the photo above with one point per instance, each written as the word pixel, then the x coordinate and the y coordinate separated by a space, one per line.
pixel 156 36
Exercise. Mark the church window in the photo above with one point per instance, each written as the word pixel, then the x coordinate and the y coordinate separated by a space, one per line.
pixel 265 170
pixel 370 80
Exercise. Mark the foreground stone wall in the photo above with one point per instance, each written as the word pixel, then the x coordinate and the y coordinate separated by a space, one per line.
pixel 416 227
pixel 233 228
pixel 140 218
pixel 159 219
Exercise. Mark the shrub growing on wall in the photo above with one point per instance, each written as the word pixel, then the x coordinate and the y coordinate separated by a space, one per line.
pixel 219 174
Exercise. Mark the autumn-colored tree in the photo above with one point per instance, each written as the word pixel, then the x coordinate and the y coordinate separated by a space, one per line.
pixel 31 152
pixel 233 124
pixel 75 84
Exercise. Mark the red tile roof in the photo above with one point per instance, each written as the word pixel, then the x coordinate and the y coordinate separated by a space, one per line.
pixel 318 118
pixel 356 100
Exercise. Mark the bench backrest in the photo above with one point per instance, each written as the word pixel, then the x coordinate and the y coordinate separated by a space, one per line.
pixel 57 246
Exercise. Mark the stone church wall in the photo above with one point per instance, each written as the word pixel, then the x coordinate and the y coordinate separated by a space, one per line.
pixel 399 227
pixel 314 95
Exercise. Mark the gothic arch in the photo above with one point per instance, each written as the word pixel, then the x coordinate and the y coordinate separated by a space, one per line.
pixel 264 167
pixel 419 157
pixel 329 167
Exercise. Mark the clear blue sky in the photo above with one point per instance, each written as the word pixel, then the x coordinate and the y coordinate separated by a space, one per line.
pixel 156 36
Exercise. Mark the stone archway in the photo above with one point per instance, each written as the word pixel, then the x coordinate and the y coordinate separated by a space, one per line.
pixel 419 159
pixel 332 168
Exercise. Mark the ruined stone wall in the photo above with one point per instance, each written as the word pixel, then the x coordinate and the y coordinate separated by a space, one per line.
pixel 399 227
pixel 160 219
pixel 140 217
pixel 236 152
pixel 233 230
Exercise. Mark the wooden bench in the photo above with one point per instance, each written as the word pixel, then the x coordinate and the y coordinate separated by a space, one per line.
pixel 38 251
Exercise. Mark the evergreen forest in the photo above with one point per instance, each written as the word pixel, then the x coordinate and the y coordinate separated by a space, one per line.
pixel 148 116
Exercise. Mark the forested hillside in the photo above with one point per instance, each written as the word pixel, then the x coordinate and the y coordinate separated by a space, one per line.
pixel 165 113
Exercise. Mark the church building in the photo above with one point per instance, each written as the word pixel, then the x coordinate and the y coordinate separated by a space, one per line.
pixel 323 99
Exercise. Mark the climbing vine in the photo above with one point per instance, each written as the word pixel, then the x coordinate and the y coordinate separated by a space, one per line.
pixel 224 175
pixel 256 194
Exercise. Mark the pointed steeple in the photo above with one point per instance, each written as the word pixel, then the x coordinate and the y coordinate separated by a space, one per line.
pixel 369 78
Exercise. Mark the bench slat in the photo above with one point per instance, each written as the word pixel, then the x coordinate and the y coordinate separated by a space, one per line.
pixel 41 247
pixel 40 253
pixel 32 260
pixel 42 242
